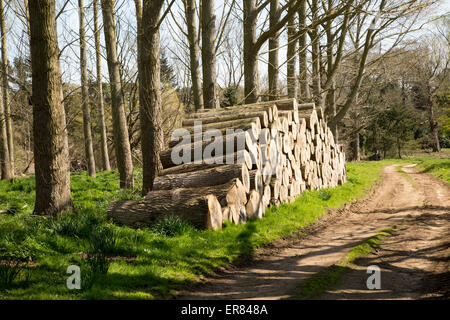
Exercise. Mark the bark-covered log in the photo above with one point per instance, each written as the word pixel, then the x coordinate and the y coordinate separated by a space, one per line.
pixel 240 157
pixel 207 151
pixel 202 211
pixel 219 118
pixel 204 178
pixel 188 137
pixel 270 108
pixel 254 123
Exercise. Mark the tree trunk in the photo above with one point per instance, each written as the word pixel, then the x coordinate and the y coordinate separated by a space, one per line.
pixel 5 161
pixel 251 79
pixel 120 130
pixel 304 94
pixel 6 105
pixel 189 7
pixel 87 130
pixel 433 125
pixel 101 105
pixel 315 56
pixel 211 99
pixel 291 59
pixel 274 43
pixel 152 138
pixel 50 148
pixel 357 154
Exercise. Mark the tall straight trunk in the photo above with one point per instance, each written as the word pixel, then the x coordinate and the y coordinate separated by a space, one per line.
pixel 274 43
pixel 315 55
pixel 87 130
pixel 357 153
pixel 5 161
pixel 150 110
pixel 101 104
pixel 251 78
pixel 50 148
pixel 292 59
pixel 304 93
pixel 330 108
pixel 194 49
pixel 211 100
pixel 433 124
pixel 7 107
pixel 120 130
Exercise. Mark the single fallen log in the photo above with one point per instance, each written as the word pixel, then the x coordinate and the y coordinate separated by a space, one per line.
pixel 202 211
pixel 219 118
pixel 204 178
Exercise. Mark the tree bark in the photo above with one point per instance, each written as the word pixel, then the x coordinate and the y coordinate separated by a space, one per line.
pixel 152 138
pixel 433 124
pixel 304 93
pixel 87 130
pixel 189 7
pixel 50 148
pixel 211 100
pixel 291 59
pixel 101 104
pixel 203 211
pixel 5 161
pixel 204 178
pixel 120 130
pixel 315 56
pixel 274 43
pixel 6 104
pixel 251 79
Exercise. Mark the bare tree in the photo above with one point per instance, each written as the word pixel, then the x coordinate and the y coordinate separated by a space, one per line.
pixel 49 120
pixel 101 103
pixel 5 82
pixel 274 43
pixel 292 59
pixel 121 140
pixel 208 18
pixel 191 21
pixel 87 130
pixel 152 138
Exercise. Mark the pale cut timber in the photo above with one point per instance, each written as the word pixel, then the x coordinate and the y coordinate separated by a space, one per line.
pixel 254 205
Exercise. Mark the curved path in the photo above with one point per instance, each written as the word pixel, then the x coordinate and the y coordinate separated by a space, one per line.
pixel 414 260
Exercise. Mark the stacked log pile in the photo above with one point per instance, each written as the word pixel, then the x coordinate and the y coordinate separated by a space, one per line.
pixel 231 164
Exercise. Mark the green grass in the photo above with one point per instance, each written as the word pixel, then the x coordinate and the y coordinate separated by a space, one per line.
pixel 148 263
pixel 320 282
pixel 439 167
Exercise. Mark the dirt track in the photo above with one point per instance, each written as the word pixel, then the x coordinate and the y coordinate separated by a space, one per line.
pixel 414 261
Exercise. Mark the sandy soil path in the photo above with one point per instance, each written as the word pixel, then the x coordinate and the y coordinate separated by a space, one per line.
pixel 414 261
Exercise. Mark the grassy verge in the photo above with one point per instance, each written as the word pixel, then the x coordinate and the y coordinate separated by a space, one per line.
pixel 320 282
pixel 147 263
pixel 439 167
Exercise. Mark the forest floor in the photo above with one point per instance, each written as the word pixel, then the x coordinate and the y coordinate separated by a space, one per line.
pixel 410 208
